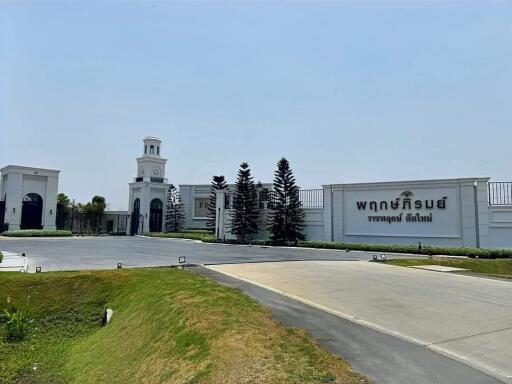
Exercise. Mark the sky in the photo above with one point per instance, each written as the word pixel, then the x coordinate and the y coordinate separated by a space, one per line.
pixel 346 91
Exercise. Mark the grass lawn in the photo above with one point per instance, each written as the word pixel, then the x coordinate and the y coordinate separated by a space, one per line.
pixel 169 326
pixel 492 267
pixel 193 235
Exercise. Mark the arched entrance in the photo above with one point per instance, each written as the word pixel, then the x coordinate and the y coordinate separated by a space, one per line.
pixel 134 226
pixel 155 215
pixel 32 211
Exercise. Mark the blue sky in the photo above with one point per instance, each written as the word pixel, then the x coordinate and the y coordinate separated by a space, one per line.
pixel 347 91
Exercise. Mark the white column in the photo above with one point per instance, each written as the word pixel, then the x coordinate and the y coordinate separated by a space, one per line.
pixel 220 213
pixel 14 200
pixel 50 202
pixel 327 214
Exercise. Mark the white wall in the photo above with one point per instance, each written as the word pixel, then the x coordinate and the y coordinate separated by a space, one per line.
pixel 452 226
pixel 500 226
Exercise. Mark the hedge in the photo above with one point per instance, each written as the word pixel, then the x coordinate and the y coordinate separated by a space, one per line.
pixel 37 233
pixel 182 235
pixel 483 253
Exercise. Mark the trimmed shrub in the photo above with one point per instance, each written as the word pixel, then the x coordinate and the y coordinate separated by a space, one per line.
pixel 37 233
pixel 203 231
pixel 182 235
pixel 483 253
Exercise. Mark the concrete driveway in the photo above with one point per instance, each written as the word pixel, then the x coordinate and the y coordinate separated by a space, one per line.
pixel 466 318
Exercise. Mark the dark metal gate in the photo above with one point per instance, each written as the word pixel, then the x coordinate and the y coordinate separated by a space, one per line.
pixel 32 212
pixel 136 224
pixel 155 215
pixel 2 216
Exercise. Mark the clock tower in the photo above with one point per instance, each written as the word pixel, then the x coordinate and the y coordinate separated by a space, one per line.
pixel 148 190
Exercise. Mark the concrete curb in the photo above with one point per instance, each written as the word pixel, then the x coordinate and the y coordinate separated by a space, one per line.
pixel 13 262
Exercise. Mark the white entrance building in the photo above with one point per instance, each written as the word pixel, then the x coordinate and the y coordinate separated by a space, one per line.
pixel 148 191
pixel 28 197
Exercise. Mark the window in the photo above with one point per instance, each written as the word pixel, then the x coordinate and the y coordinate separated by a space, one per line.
pixel 145 149
pixel 152 149
pixel 158 150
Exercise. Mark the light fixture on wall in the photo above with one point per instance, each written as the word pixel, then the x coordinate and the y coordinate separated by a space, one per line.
pixel 14 210
pixel 51 211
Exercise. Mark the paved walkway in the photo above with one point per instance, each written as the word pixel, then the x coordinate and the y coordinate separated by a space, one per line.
pixel 466 318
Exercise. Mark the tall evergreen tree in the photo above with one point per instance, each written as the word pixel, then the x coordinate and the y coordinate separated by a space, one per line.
pixel 286 218
pixel 218 182
pixel 245 211
pixel 175 213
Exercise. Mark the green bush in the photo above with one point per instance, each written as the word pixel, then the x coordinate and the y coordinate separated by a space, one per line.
pixel 202 231
pixel 483 253
pixel 1 257
pixel 37 233
pixel 182 235
pixel 17 324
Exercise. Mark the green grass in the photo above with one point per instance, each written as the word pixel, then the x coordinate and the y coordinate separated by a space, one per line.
pixel 496 267
pixel 37 233
pixel 192 235
pixel 168 326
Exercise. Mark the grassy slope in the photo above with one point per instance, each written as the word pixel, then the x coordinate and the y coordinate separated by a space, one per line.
pixel 169 326
pixel 497 267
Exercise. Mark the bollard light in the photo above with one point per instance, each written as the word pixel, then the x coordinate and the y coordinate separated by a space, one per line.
pixel 347 250
pixel 419 246
pixel 182 260
pixel 375 258
pixel 383 257
pixel 38 269
pixel 119 265
pixel 23 254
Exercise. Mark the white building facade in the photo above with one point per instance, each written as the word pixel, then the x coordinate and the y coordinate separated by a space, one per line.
pixel 28 197
pixel 147 193
pixel 467 212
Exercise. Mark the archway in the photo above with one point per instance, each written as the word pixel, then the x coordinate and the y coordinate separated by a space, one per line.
pixel 155 215
pixel 32 211
pixel 134 227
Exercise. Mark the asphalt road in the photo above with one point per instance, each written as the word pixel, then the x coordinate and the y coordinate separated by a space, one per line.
pixel 64 254
pixel 383 358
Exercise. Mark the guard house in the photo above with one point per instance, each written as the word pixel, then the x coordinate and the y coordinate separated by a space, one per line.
pixel 148 190
pixel 28 198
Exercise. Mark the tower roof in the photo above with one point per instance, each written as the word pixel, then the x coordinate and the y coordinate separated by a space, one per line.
pixel 152 138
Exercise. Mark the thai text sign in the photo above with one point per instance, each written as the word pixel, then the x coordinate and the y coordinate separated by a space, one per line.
pixel 431 212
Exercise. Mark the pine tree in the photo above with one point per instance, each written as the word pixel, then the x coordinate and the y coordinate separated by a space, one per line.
pixel 218 182
pixel 286 218
pixel 245 205
pixel 174 215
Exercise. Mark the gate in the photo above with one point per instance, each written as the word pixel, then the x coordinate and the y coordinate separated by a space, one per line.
pixel 2 216
pixel 155 215
pixel 136 224
pixel 32 211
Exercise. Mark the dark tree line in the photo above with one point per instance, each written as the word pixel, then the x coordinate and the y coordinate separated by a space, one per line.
pixel 285 220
